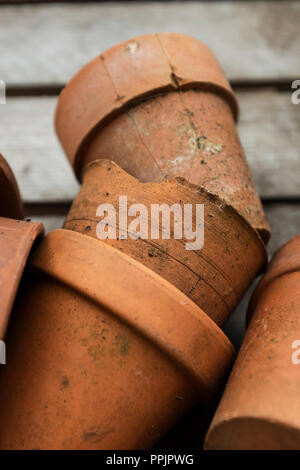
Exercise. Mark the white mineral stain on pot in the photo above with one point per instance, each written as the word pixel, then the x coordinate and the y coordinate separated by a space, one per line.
pixel 132 47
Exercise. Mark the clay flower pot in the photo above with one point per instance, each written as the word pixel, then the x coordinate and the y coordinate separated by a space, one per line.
pixel 16 240
pixel 260 408
pixel 103 352
pixel 216 276
pixel 160 106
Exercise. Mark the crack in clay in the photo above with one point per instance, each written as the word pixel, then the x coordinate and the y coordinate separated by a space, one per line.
pixel 194 286
pixel 176 81
pixel 120 99
pixel 144 143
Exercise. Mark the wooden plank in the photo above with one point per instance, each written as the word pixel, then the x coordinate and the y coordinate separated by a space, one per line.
pixel 269 129
pixel 30 146
pixel 284 219
pixel 47 43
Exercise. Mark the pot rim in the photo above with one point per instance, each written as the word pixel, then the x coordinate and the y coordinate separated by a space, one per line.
pixel 165 308
pixel 9 185
pixel 286 260
pixel 20 237
pixel 169 70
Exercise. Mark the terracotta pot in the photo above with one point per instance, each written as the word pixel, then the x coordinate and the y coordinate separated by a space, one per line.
pixel 160 106
pixel 260 408
pixel 216 276
pixel 10 200
pixel 102 352
pixel 16 240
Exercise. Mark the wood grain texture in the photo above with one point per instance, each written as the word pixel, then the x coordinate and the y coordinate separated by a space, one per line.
pixel 270 132
pixel 269 129
pixel 45 44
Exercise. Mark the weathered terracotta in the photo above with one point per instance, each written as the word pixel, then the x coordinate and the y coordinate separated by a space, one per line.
pixel 102 352
pixel 214 277
pixel 16 240
pixel 260 408
pixel 160 106
pixel 10 200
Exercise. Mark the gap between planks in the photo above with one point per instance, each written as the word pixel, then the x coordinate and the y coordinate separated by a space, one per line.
pixel 23 90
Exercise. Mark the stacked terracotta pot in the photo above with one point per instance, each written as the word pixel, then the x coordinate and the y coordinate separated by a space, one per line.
pixel 117 339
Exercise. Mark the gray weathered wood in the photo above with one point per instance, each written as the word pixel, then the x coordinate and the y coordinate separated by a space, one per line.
pixel 270 132
pixel 47 43
pixel 28 141
pixel 269 129
pixel 284 220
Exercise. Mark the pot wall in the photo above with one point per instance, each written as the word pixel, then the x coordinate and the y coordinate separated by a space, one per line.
pixel 83 368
